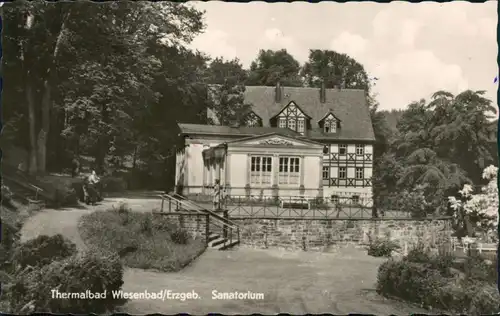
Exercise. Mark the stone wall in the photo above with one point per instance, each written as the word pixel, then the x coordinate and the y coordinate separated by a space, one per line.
pixel 324 234
pixel 194 223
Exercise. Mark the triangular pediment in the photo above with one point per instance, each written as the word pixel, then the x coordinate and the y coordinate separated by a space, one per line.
pixel 276 140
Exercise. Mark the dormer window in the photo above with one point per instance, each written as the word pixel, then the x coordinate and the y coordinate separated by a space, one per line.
pixel 329 124
pixel 293 118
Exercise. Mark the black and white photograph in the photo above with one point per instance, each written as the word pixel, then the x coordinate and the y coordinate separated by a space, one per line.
pixel 242 158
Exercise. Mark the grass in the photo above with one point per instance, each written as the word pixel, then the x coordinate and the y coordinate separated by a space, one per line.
pixel 142 238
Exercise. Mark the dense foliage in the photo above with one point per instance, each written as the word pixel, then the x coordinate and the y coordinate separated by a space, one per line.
pixel 93 271
pixel 432 281
pixel 42 251
pixel 382 248
pixel 478 213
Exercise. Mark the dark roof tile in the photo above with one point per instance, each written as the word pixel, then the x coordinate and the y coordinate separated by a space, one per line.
pixel 348 105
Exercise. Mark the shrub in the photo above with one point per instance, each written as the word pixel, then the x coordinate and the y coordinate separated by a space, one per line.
pixel 6 194
pixel 411 281
pixel 65 196
pixel 476 268
pixel 180 236
pixel 137 247
pixel 43 250
pixel 440 263
pixel 114 184
pixel 423 283
pixel 93 271
pixel 382 248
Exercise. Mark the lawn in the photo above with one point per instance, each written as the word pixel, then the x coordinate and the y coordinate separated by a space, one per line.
pixel 298 283
pixel 142 239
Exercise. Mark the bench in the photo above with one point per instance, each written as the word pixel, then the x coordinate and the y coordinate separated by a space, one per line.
pixel 292 201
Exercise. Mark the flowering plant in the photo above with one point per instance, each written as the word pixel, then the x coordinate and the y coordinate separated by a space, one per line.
pixel 482 209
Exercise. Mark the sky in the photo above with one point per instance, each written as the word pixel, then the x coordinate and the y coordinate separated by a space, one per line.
pixel 413 49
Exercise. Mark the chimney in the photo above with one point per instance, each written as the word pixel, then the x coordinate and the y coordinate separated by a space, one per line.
pixel 322 93
pixel 277 93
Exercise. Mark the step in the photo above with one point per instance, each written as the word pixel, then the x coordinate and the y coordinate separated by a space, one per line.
pixel 216 242
pixel 212 236
pixel 229 245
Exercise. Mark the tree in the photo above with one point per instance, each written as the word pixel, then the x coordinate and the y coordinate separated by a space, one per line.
pixel 273 66
pixel 220 70
pixel 334 69
pixel 228 103
pixel 106 66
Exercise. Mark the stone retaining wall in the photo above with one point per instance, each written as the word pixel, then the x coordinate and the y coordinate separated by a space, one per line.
pixel 323 234
pixel 194 223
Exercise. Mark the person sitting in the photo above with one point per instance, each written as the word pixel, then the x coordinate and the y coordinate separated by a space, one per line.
pixel 93 185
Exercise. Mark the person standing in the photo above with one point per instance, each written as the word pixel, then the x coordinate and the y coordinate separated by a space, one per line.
pixel 217 192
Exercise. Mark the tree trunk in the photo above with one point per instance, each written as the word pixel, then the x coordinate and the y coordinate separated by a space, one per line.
pixel 134 159
pixel 47 98
pixel 42 140
pixel 32 161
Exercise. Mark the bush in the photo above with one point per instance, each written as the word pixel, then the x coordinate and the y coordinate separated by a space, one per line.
pixel 382 248
pixel 440 263
pixel 475 268
pixel 114 184
pixel 42 251
pixel 93 271
pixel 413 282
pixel 145 241
pixel 429 283
pixel 180 236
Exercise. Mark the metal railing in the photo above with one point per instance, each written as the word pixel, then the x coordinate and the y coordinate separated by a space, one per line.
pixel 310 207
pixel 217 223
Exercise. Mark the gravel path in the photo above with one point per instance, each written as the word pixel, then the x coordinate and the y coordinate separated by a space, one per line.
pixel 292 282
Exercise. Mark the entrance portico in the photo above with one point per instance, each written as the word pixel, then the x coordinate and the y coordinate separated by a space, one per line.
pixel 265 165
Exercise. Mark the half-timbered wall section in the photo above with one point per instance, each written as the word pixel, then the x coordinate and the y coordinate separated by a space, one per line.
pixel 292 117
pixel 253 120
pixel 347 170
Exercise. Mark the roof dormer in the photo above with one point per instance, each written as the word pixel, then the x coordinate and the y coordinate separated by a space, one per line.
pixel 329 123
pixel 292 117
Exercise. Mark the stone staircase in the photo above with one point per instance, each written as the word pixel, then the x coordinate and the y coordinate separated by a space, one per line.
pixel 223 234
pixel 217 242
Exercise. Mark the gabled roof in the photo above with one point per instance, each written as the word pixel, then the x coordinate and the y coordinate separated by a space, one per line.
pixel 348 105
pixel 289 104
pixel 328 114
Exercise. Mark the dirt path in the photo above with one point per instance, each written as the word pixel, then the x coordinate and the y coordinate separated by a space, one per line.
pixel 297 283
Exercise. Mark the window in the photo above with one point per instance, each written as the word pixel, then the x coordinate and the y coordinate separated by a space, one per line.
pixel 359 173
pixel 300 126
pixel 289 170
pixel 342 149
pixel 355 199
pixel 292 124
pixel 335 199
pixel 326 172
pixel 342 172
pixel 282 123
pixel 260 170
pixel 330 126
pixel 360 149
